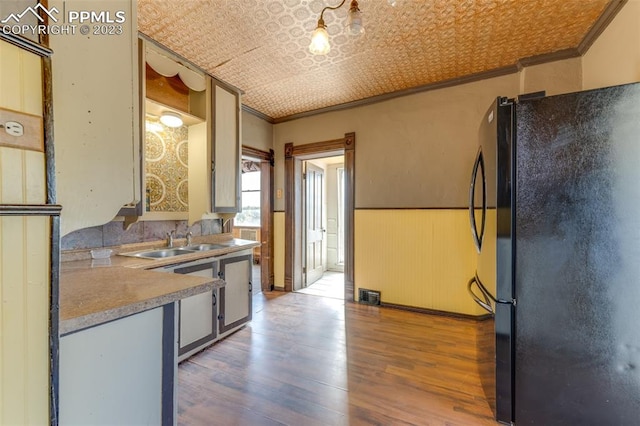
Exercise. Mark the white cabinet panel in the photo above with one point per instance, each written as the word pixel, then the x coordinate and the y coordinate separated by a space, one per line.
pixel 96 117
pixel 237 277
pixel 226 150
pixel 112 373
pixel 236 295
pixel 196 313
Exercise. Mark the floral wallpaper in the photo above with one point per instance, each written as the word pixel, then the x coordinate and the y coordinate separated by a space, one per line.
pixel 166 163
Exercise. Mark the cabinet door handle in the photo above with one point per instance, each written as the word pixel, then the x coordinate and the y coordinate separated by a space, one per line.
pixel 250 287
pixel 220 317
pixel 215 301
pixel 221 275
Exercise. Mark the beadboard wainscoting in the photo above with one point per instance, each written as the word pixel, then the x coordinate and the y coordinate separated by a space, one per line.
pixel 24 253
pixel 416 258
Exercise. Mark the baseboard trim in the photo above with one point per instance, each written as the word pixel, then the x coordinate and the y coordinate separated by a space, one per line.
pixel 436 312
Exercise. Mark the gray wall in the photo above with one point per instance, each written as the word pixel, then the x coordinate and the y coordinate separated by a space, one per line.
pixel 417 151
pixel 256 132
pixel 411 152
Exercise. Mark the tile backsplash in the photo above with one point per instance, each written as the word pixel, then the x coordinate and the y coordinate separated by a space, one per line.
pixel 114 234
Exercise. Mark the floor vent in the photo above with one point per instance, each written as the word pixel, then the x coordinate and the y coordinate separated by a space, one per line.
pixel 369 297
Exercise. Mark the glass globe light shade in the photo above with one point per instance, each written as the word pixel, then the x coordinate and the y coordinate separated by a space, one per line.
pixel 320 41
pixel 354 22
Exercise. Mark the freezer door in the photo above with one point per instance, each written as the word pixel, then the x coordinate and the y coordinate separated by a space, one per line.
pixel 577 251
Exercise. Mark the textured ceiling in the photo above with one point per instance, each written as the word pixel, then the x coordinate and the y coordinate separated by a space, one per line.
pixel 261 46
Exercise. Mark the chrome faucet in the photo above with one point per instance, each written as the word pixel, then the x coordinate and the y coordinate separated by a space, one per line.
pixel 189 236
pixel 170 236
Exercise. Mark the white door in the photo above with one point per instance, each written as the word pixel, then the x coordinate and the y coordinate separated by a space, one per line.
pixel 335 217
pixel 314 224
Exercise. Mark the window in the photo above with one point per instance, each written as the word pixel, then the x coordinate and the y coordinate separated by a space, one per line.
pixel 250 214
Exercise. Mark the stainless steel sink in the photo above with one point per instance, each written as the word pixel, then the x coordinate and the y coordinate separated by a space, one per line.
pixel 204 247
pixel 177 251
pixel 160 253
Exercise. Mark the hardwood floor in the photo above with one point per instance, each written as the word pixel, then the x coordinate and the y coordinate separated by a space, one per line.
pixel 256 271
pixel 306 360
pixel 331 284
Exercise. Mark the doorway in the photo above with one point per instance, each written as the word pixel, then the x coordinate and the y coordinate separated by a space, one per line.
pixel 294 223
pixel 323 236
pixel 246 224
pixel 255 221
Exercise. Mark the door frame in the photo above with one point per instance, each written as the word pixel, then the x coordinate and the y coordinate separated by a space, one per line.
pixel 294 155
pixel 267 162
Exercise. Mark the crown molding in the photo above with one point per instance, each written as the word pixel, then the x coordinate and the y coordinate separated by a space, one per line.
pixel 599 26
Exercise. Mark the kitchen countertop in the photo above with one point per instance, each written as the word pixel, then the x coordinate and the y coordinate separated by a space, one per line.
pixel 93 292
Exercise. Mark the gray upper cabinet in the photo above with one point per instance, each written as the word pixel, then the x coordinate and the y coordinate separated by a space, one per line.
pixel 214 161
pixel 225 150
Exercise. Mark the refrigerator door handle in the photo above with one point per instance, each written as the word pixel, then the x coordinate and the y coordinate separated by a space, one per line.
pixel 484 300
pixel 477 236
pixel 487 296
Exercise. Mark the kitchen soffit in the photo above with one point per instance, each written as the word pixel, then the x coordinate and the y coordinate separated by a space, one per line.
pixel 261 46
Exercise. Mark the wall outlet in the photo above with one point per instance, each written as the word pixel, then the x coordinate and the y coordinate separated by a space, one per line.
pixel 21 130
pixel 14 128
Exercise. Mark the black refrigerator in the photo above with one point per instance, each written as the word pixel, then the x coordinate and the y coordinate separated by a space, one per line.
pixel 555 215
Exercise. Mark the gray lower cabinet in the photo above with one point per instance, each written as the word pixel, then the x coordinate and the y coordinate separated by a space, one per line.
pixel 235 307
pixel 197 318
pixel 120 372
pixel 206 317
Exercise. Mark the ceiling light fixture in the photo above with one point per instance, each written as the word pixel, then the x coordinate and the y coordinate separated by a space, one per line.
pixel 354 20
pixel 320 38
pixel 152 126
pixel 171 119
